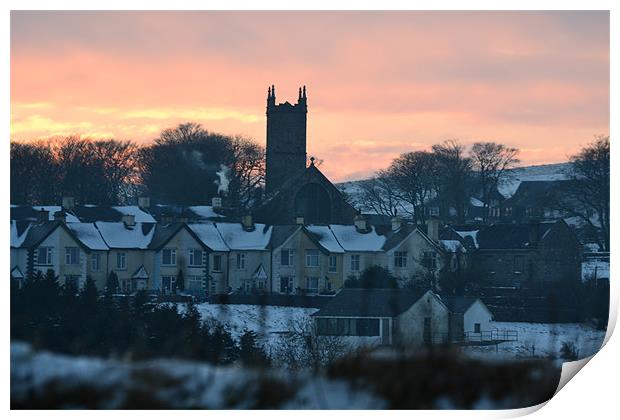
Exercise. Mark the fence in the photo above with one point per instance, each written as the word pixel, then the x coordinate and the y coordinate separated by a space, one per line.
pixel 493 335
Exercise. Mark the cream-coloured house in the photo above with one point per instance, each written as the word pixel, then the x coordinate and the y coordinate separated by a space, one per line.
pixel 249 256
pixel 73 251
pixel 129 255
pixel 217 258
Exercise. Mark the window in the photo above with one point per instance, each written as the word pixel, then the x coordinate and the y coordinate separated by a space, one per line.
pixel 348 326
pixel 494 212
pixel 72 281
pixel 287 257
pixel 194 283
pixel 169 284
pixel 217 263
pixel 44 255
pixel 332 265
pixel 508 211
pixel 121 261
pixel 312 285
pixel 240 261
pixel 72 255
pixel 477 328
pixel 195 257
pixel 169 256
pixel 429 259
pixel 434 211
pixel 286 285
pixel 519 264
pixel 312 258
pixel 355 262
pixel 400 259
pixel 95 262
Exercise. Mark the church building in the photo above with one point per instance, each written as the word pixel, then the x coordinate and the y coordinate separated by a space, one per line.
pixel 296 192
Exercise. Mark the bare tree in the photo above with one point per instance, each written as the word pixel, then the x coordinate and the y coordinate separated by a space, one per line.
pixel 454 172
pixel 302 348
pixel 248 170
pixel 587 192
pixel 490 161
pixel 414 175
pixel 379 194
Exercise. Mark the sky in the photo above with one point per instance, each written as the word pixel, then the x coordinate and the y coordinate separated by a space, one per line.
pixel 379 83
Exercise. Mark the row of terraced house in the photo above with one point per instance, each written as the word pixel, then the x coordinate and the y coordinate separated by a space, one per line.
pixel 212 256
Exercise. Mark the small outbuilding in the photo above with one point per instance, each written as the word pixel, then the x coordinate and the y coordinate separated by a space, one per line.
pixel 385 316
pixel 470 318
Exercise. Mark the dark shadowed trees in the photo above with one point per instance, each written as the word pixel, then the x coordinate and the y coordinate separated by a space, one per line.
pixel 454 172
pixel 490 161
pixel 379 194
pixel 414 175
pixel 587 193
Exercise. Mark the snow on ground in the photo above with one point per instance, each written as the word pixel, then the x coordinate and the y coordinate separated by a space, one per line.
pixel 46 380
pixel 271 322
pixel 546 340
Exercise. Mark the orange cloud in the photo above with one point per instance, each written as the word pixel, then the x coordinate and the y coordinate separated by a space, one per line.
pixel 379 83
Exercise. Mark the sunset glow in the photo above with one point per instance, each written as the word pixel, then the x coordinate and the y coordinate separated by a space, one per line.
pixel 379 83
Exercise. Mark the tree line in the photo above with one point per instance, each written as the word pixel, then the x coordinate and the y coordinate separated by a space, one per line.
pixel 448 173
pixel 82 322
pixel 451 173
pixel 179 167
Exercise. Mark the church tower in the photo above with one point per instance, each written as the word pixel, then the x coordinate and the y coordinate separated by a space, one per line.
pixel 286 139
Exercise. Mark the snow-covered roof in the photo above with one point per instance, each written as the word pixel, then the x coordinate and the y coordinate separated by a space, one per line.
pixel 473 234
pixel 209 235
pixel 325 237
pixel 140 215
pixel 117 235
pixel 70 218
pixel 351 240
pixel 16 273
pixel 237 238
pixel 17 237
pixel 89 235
pixel 140 273
pixel 260 273
pixel 204 212
pixel 452 245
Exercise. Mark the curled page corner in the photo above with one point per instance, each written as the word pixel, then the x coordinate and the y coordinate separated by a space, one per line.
pixel 569 370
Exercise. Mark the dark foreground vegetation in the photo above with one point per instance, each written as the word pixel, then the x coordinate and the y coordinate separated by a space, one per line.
pixel 438 380
pixel 61 319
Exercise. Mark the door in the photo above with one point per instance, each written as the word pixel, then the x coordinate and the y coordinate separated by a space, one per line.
pixel 427 334
pixel 386 334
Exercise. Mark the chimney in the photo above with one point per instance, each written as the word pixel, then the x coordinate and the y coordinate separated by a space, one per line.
pixel 433 229
pixel 216 203
pixel 360 223
pixel 68 203
pixel 299 220
pixel 144 202
pixel 396 223
pixel 246 222
pixel 129 220
pixel 60 216
pixel 44 215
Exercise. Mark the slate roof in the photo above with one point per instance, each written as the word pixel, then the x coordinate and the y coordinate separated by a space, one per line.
pixel 510 235
pixel 31 213
pixel 536 193
pixel 280 233
pixel 19 230
pixel 458 304
pixel 370 302
pixel 38 232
